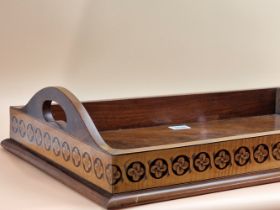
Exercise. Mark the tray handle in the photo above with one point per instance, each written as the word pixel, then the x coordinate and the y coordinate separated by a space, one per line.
pixel 78 122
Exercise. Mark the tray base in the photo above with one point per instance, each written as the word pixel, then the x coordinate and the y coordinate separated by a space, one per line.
pixel 122 200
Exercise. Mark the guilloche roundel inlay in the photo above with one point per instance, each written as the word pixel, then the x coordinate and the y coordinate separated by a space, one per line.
pixel 38 137
pixel 66 151
pixel 87 164
pixel 180 165
pixel 242 156
pixel 98 168
pixel 261 153
pixel 56 146
pixel 30 132
pixel 222 159
pixel 113 174
pixel 76 156
pixel 135 171
pixel 47 141
pixel 276 151
pixel 201 161
pixel 158 168
pixel 22 129
pixel 14 124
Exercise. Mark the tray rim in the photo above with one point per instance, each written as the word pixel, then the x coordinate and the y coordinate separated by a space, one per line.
pixel 75 108
pixel 116 152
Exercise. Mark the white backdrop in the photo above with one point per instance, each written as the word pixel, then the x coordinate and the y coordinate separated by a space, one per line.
pixel 130 48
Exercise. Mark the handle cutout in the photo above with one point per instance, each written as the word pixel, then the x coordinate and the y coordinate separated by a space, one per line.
pixel 54 113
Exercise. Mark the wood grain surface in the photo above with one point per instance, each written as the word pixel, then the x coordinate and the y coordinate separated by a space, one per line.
pixel 232 136
pixel 153 111
pixel 119 201
pixel 162 135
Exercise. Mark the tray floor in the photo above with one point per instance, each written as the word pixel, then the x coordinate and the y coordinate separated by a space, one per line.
pixel 161 135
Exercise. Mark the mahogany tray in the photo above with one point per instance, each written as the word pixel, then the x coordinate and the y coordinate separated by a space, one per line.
pixel 127 152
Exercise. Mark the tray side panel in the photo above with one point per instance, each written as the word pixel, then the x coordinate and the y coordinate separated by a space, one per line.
pixel 123 200
pixel 63 149
pixel 194 163
pixel 145 112
pixel 148 169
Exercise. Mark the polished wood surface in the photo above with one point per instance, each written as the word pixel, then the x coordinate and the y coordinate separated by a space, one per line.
pixel 125 146
pixel 122 200
pixel 153 111
pixel 161 135
pixel 163 165
pixel 61 148
pixel 77 122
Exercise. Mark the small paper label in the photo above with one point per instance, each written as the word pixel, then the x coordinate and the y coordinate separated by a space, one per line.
pixel 179 127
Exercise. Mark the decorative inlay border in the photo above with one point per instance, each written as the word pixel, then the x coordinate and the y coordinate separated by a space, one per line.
pixel 227 157
pixel 47 143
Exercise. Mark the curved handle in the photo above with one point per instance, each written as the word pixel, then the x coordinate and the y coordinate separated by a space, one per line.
pixel 79 123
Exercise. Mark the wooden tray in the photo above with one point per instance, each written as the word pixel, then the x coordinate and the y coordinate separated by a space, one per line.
pixel 128 152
